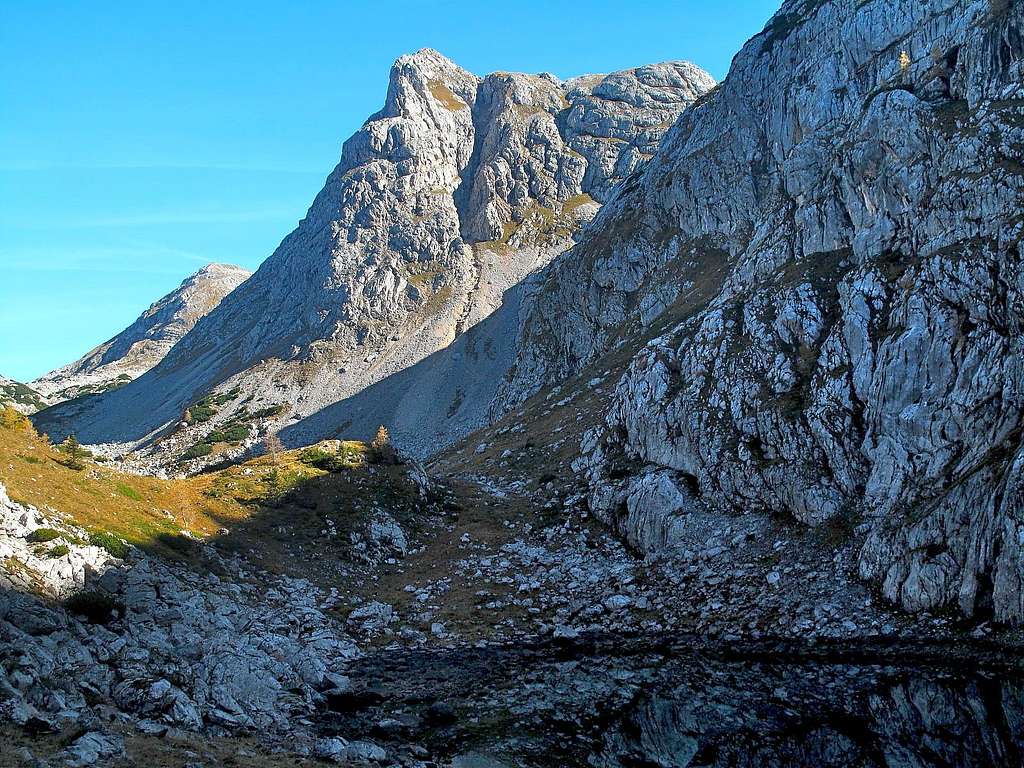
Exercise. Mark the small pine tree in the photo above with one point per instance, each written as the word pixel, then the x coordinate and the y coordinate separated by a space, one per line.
pixel 381 450
pixel 74 454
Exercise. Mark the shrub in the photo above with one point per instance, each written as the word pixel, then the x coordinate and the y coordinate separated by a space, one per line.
pixel 205 408
pixel 197 450
pixel 381 450
pixel 314 456
pixel 96 607
pixel 200 412
pixel 61 550
pixel 235 433
pixel 11 418
pixel 111 543
pixel 183 545
pixel 266 413
pixel 43 535
pixel 280 482
pixel 74 454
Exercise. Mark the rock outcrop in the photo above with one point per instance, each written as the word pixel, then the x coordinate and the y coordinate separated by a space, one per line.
pixel 145 342
pixel 821 269
pixel 166 646
pixel 397 298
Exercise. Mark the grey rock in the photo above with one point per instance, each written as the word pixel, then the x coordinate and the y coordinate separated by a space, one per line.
pixel 372 617
pixel 831 246
pixel 92 747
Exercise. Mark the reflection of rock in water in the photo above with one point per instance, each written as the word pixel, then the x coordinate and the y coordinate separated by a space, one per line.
pixel 914 721
pixel 660 709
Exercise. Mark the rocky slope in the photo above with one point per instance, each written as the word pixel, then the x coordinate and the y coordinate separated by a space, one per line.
pixel 403 282
pixel 171 646
pixel 145 342
pixel 822 267
pixel 20 396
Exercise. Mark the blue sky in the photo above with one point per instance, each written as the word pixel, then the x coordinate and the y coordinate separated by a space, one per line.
pixel 139 141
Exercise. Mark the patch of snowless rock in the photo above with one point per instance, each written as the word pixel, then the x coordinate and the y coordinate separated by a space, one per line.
pixel 827 253
pixel 183 650
pixel 397 299
pixel 144 343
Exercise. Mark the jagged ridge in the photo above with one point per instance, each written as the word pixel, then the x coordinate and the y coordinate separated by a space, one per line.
pixel 145 342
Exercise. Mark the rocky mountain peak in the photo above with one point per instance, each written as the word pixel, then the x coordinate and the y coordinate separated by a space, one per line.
pixel 442 204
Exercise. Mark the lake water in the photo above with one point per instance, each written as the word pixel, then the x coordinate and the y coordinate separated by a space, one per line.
pixel 625 702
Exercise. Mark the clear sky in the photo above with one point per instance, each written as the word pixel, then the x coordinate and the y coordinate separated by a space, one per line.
pixel 139 141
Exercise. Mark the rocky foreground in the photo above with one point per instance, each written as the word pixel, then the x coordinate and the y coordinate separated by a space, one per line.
pixel 493 636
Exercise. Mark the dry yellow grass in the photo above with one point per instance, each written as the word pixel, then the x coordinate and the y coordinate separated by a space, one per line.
pixel 143 511
pixel 570 206
pixel 444 94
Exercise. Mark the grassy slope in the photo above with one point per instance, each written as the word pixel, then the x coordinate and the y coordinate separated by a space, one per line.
pixel 145 511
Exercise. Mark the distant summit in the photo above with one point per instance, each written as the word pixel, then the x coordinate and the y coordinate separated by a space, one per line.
pixel 144 343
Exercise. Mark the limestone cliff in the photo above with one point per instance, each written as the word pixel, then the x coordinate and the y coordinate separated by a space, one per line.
pixel 825 259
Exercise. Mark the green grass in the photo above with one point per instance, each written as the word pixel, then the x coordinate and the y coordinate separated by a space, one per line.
pixel 43 535
pixel 60 550
pixel 111 543
pixel 128 492
pixel 347 455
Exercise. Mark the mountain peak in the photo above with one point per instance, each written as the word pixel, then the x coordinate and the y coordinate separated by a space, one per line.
pixel 145 342
pixel 442 204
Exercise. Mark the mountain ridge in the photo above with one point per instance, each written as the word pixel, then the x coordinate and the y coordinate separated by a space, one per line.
pixel 443 202
pixel 858 359
pixel 144 343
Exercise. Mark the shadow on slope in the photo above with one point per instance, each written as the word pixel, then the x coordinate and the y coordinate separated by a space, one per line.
pixel 434 402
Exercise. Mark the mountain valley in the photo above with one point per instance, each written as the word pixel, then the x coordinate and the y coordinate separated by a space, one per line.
pixel 624 420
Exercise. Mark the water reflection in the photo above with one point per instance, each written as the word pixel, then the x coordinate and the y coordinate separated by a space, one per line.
pixel 664 707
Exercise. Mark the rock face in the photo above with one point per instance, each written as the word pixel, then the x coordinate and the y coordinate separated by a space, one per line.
pixel 821 268
pixel 52 560
pixel 403 283
pixel 145 342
